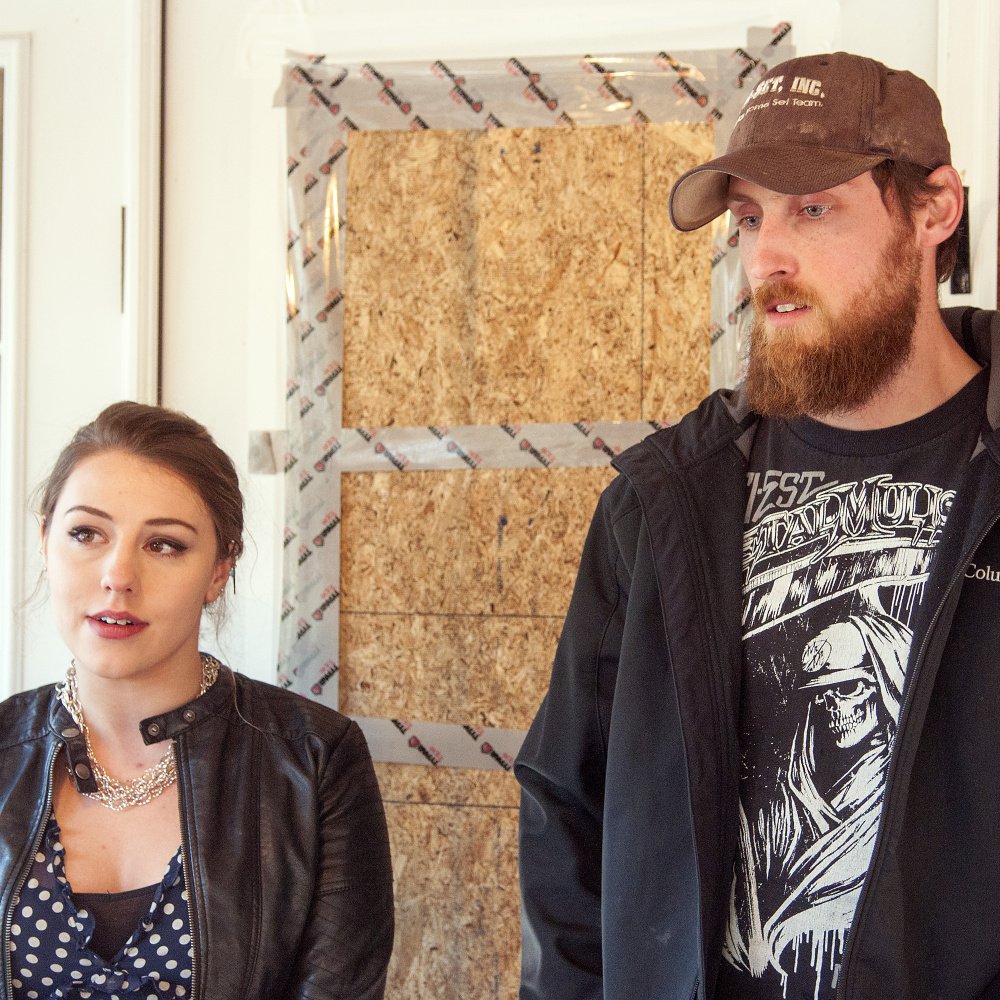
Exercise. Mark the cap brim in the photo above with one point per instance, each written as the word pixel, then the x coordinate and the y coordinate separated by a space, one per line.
pixel 700 195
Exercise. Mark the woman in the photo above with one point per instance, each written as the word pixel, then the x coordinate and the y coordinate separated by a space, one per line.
pixel 169 828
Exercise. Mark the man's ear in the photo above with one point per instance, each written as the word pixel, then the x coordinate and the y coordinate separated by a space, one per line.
pixel 938 218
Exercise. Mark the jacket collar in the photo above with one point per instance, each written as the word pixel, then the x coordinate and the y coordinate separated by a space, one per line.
pixel 171 724
pixel 978 331
pixel 156 728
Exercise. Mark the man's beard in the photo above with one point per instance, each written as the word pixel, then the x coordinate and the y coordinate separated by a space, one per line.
pixel 835 364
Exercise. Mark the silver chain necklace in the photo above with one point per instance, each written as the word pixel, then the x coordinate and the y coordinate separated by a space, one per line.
pixel 120 795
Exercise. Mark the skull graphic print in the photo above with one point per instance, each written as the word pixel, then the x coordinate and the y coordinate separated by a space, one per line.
pixel 830 587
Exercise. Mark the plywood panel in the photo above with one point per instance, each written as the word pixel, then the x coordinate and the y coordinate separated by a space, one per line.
pixel 457 902
pixel 509 276
pixel 410 268
pixel 485 671
pixel 676 278
pixel 559 283
pixel 420 785
pixel 523 275
pixel 485 541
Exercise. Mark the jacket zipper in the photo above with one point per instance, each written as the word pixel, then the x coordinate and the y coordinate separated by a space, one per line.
pixel 887 806
pixel 36 842
pixel 186 866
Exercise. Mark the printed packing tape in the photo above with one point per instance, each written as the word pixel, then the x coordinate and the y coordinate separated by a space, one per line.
pixel 515 92
pixel 441 744
pixel 491 446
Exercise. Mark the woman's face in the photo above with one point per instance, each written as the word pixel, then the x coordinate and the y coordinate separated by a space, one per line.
pixel 130 552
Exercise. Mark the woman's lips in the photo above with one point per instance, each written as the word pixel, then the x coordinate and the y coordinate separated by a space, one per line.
pixel 115 625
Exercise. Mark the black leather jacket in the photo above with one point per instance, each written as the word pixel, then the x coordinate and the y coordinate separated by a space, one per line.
pixel 286 855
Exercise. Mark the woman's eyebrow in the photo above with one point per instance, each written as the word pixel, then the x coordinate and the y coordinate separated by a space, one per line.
pixel 96 512
pixel 159 522
pixel 156 522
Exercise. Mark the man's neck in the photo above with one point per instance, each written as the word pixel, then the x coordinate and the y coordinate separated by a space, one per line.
pixel 936 369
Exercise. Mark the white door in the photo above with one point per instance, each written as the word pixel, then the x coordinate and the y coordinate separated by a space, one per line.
pixel 83 306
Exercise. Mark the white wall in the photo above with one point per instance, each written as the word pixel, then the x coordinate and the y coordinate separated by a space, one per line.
pixel 224 191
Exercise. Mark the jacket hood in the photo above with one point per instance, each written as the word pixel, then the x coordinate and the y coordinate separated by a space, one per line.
pixel 978 331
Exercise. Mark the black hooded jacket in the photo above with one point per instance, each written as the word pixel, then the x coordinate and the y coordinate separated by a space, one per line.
pixel 629 773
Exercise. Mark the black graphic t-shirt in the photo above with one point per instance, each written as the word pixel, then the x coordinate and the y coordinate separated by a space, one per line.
pixel 839 532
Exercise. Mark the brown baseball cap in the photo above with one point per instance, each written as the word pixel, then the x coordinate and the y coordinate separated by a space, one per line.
pixel 812 123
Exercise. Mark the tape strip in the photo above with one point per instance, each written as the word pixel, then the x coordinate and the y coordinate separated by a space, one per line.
pixel 441 744
pixel 490 446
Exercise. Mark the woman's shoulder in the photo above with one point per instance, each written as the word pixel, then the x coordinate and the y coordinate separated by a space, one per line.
pixel 25 715
pixel 285 713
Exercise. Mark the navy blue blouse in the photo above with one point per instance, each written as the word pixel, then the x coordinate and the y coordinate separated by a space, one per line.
pixel 50 937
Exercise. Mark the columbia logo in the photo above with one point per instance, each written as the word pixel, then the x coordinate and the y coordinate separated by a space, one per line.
pixel 974 572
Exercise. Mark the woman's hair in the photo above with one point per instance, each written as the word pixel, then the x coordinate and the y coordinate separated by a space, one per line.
pixel 166 438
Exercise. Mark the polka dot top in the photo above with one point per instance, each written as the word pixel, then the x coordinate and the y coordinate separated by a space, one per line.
pixel 49 939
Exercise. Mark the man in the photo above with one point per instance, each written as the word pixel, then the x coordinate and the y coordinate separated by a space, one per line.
pixel 765 766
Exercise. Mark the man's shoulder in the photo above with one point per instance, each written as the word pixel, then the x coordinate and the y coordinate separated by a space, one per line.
pixel 722 417
pixel 686 449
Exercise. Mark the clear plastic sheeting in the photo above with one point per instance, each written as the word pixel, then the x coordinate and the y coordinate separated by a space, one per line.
pixel 325 104
pixel 499 446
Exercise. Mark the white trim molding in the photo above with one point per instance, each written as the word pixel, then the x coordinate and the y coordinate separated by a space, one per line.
pixel 969 87
pixel 14 54
pixel 141 221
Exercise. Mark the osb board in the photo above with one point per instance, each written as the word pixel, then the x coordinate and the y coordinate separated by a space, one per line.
pixel 420 785
pixel 487 671
pixel 457 902
pixel 677 272
pixel 501 275
pixel 473 542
